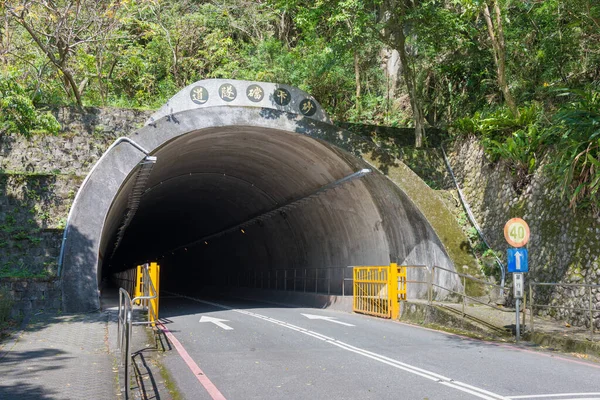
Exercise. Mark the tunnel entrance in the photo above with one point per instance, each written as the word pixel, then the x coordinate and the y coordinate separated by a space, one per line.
pixel 214 188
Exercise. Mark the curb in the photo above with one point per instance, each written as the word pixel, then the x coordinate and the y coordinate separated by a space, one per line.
pixel 563 343
pixel 443 319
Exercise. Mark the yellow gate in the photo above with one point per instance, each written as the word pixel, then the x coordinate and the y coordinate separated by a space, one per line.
pixel 378 289
pixel 147 289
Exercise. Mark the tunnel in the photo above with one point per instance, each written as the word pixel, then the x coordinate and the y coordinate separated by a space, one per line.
pixel 247 183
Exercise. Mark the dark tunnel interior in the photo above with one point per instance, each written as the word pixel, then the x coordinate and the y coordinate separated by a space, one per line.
pixel 206 182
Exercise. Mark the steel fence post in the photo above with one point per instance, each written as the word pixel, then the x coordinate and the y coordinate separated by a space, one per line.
pixel 328 281
pixel 316 280
pixel 285 280
pixel 464 294
pixel 430 286
pixel 591 316
pixel 531 306
pixel 524 311
pixel 304 280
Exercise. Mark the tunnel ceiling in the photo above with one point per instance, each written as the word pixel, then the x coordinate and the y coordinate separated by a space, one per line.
pixel 209 180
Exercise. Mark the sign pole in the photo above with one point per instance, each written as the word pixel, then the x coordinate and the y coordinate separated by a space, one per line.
pixel 518 324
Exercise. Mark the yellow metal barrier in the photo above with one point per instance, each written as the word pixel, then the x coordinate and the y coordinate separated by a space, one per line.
pixel 154 274
pixel 139 284
pixel 146 291
pixel 377 290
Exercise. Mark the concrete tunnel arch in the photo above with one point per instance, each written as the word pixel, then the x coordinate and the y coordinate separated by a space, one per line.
pixel 226 152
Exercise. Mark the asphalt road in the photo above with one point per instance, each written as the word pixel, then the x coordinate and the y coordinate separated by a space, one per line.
pixel 248 350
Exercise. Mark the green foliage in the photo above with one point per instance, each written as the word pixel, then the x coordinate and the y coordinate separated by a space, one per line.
pixel 519 140
pixel 576 133
pixel 18 113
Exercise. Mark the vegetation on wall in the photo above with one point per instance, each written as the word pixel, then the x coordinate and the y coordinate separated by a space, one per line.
pixel 523 75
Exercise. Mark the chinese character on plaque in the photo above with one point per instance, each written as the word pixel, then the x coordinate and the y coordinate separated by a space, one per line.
pixel 199 95
pixel 308 107
pixel 227 92
pixel 282 97
pixel 255 93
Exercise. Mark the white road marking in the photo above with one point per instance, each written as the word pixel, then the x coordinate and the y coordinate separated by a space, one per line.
pixel 330 319
pixel 217 321
pixel 567 396
pixel 475 391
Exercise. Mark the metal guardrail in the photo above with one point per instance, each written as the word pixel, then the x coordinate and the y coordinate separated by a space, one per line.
pixel 308 280
pixel 334 281
pixel 530 297
pixel 149 302
pixel 124 336
pixel 463 295
pixel 590 309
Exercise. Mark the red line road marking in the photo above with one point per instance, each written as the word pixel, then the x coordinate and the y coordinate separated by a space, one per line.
pixel 198 373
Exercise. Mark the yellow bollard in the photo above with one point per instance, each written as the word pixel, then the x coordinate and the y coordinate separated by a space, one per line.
pixel 393 291
pixel 139 283
pixel 154 274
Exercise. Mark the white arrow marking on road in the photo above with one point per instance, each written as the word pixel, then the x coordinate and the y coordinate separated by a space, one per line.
pixel 330 319
pixel 217 321
pixel 518 260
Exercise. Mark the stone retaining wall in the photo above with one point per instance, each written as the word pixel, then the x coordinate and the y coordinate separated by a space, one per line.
pixel 39 178
pixel 564 246
pixel 31 295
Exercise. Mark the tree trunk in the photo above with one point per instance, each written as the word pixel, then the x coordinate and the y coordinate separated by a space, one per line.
pixel 60 64
pixel 390 63
pixel 409 79
pixel 357 79
pixel 393 13
pixel 496 33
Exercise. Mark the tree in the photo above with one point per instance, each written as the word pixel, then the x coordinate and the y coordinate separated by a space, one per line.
pixel 59 28
pixel 394 16
pixel 496 34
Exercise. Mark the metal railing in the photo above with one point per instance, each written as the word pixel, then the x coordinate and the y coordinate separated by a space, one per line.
pixel 309 280
pixel 430 282
pixel 125 322
pixel 590 309
pixel 124 337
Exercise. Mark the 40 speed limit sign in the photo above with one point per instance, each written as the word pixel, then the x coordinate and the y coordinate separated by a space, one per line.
pixel 516 232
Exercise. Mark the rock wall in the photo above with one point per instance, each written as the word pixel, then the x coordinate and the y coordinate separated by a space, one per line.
pixel 39 178
pixel 564 246
pixel 32 295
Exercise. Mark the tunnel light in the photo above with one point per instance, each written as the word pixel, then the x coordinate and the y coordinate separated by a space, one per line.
pixel 205 242
pixel 243 231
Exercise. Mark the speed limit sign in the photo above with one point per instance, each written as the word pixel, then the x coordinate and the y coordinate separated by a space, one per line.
pixel 516 232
